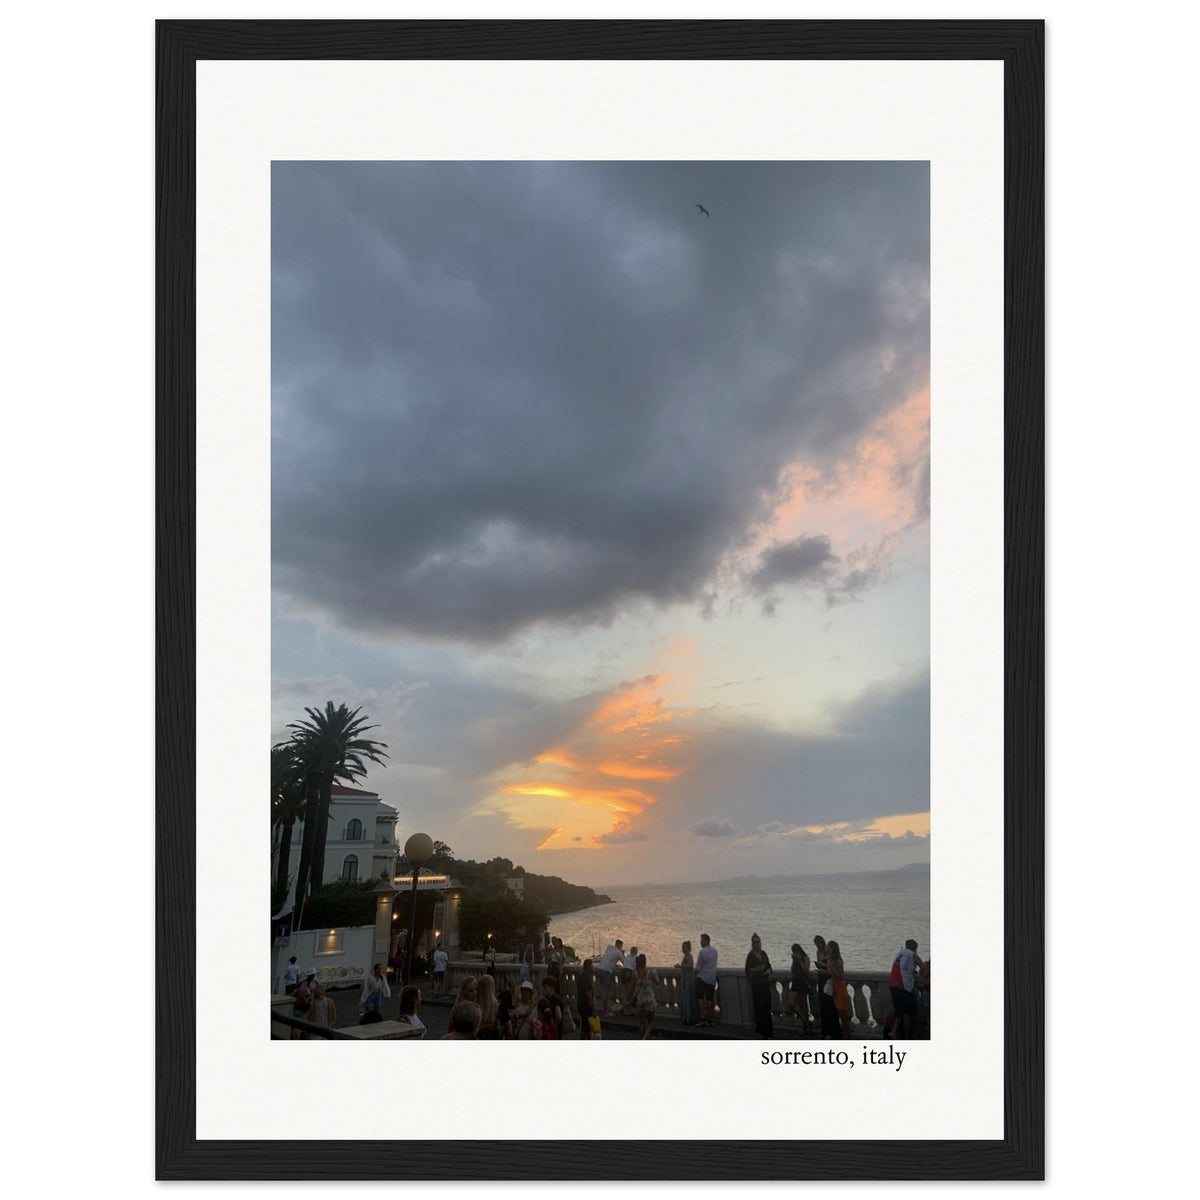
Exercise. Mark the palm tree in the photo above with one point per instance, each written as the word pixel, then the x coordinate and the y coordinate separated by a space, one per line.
pixel 330 748
pixel 287 803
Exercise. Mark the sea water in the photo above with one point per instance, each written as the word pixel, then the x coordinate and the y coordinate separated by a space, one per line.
pixel 870 916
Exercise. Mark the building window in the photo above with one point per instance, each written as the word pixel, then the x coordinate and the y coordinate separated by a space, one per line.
pixel 354 831
pixel 350 868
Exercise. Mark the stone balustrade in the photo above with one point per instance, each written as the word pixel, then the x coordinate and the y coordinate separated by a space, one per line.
pixel 870 995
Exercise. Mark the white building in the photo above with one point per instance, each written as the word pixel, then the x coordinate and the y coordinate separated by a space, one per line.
pixel 360 842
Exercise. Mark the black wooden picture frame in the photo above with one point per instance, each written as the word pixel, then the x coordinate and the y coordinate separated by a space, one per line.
pixel 180 45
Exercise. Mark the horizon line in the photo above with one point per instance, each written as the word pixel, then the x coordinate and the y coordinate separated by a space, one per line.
pixel 775 875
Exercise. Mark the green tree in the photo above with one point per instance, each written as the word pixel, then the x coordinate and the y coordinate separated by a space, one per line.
pixel 287 807
pixel 342 903
pixel 330 748
pixel 443 857
pixel 511 922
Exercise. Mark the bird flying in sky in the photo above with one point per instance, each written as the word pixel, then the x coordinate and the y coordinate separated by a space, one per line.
pixel 702 209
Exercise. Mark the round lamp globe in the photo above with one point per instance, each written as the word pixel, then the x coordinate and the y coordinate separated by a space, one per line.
pixel 419 848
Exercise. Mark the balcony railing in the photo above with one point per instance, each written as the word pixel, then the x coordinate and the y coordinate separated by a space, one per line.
pixel 869 993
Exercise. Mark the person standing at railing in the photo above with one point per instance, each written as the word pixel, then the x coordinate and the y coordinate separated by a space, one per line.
pixel 644 998
pixel 923 996
pixel 585 999
pixel 555 958
pixel 758 971
pixel 610 963
pixel 441 960
pixel 799 988
pixel 628 968
pixel 689 1014
pixel 830 1027
pixel 837 976
pixel 903 984
pixel 706 980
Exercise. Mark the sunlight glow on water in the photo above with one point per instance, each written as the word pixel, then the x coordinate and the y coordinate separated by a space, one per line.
pixel 870 916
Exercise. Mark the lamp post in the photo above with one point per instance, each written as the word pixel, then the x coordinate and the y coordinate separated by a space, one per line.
pixel 418 850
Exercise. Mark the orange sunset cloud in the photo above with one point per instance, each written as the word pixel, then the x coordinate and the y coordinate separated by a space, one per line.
pixel 637 704
pixel 557 758
pixel 618 740
pixel 900 825
pixel 619 800
pixel 869 492
pixel 626 770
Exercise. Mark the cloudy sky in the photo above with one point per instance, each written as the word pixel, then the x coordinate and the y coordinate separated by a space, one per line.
pixel 612 515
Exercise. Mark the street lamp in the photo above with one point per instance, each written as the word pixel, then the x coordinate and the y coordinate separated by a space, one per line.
pixel 418 850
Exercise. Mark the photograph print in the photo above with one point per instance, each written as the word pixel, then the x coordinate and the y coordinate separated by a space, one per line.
pixel 600 600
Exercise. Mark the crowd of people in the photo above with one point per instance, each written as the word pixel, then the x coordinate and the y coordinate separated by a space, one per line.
pixel 483 1013
pixel 823 983
pixel 622 983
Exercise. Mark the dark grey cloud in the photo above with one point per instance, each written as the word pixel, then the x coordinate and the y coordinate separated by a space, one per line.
pixel 863 569
pixel 773 827
pixel 715 827
pixel 803 560
pixel 505 393
pixel 887 841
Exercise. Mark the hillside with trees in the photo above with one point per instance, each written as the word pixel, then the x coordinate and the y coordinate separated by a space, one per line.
pixel 489 906
pixel 550 892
